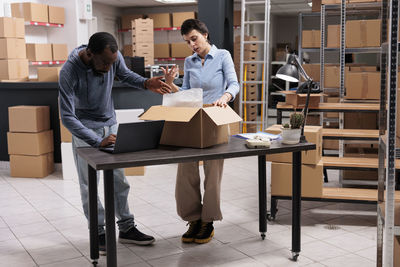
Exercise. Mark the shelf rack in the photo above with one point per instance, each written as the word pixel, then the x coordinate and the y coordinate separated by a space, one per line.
pixel 45 24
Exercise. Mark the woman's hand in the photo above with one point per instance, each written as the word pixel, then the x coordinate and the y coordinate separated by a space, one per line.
pixel 223 100
pixel 170 74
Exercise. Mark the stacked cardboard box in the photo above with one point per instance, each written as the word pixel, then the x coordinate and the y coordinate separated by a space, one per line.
pixel 56 14
pixel 59 52
pixel 48 74
pixel 179 17
pixel 30 11
pixel 13 62
pixel 311 38
pixel 162 51
pixel 161 20
pixel 142 40
pixel 30 141
pixel 312 169
pixel 39 52
pixel 180 50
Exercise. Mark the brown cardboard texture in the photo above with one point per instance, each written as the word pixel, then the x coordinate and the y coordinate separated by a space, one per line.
pixel 360 120
pixel 29 119
pixel 66 136
pixel 180 50
pixel 12 27
pixel 363 33
pixel 126 20
pixel 313 134
pixel 161 51
pixel 363 85
pixel 56 15
pixel 313 70
pixel 14 69
pixel 59 51
pixel 30 11
pixel 237 17
pixel 316 6
pixel 135 171
pixel 193 127
pixel 48 74
pixel 299 100
pixel 179 17
pixel 31 166
pixel 311 179
pixel 311 39
pixel 161 20
pixel 12 48
pixel 39 52
pixel 32 144
pixel 333 38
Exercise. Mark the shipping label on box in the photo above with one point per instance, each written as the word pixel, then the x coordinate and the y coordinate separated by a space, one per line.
pixel 161 20
pixel 363 33
pixel 30 119
pixel 193 127
pixel 30 11
pixel 14 69
pixel 12 48
pixel 179 17
pixel 31 166
pixel 56 15
pixel 39 52
pixel 311 39
pixel 161 51
pixel 32 144
pixel 48 74
pixel 180 50
pixel 363 85
pixel 59 51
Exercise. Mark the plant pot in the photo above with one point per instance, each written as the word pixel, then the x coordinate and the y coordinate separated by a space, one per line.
pixel 290 136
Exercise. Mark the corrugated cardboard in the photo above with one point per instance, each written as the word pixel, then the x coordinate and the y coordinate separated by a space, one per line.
pixel 126 20
pixel 12 48
pixel 32 144
pixel 56 15
pixel 66 136
pixel 299 100
pixel 30 11
pixel 31 166
pixel 193 127
pixel 311 39
pixel 313 134
pixel 161 51
pixel 29 119
pixel 161 20
pixel 12 27
pixel 333 38
pixel 39 52
pixel 14 69
pixel 311 179
pixel 180 50
pixel 135 171
pixel 142 31
pixel 59 51
pixel 48 74
pixel 363 85
pixel 179 17
pixel 313 70
pixel 363 33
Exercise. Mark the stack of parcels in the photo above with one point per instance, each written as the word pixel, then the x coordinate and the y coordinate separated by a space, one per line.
pixel 249 74
pixel 30 141
pixel 311 169
pixel 142 41
pixel 13 63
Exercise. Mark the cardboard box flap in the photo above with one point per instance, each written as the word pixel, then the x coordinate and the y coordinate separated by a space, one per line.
pixel 177 114
pixel 222 116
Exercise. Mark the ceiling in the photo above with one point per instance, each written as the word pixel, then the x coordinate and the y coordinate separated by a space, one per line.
pixel 277 6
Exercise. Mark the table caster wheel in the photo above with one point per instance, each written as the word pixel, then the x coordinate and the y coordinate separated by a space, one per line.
pixel 262 236
pixel 295 255
pixel 94 263
pixel 270 217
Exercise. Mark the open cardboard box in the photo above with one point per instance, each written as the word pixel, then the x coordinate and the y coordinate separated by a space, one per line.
pixel 193 127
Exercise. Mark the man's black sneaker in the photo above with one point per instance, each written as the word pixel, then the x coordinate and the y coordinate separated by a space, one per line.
pixel 194 228
pixel 205 234
pixel 134 236
pixel 102 244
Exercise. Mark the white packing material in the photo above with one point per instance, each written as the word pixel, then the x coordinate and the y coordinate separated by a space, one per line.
pixel 184 98
pixel 128 115
pixel 68 164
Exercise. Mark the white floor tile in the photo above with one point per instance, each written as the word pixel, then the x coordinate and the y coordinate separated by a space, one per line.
pixel 54 254
pixel 350 260
pixel 21 259
pixel 351 242
pixel 282 258
pixel 160 248
pixel 77 262
pixel 43 241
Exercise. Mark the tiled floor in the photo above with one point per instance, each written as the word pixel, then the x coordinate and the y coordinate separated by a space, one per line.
pixel 41 224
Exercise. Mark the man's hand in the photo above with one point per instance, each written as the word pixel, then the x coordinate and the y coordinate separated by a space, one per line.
pixel 156 85
pixel 223 100
pixel 109 140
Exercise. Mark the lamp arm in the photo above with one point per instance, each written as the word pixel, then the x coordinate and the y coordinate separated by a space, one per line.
pixel 301 69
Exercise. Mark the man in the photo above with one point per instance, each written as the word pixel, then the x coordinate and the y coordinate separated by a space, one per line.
pixel 87 110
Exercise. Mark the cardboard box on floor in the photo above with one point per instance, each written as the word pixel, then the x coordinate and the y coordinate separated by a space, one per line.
pixel 363 33
pixel 29 119
pixel 12 48
pixel 161 20
pixel 30 11
pixel 12 27
pixel 311 39
pixel 126 20
pixel 180 50
pixel 31 166
pixel 59 51
pixel 311 179
pixel 14 69
pixel 179 17
pixel 313 134
pixel 193 127
pixel 48 74
pixel 56 15
pixel 32 144
pixel 363 85
pixel 39 52
pixel 162 51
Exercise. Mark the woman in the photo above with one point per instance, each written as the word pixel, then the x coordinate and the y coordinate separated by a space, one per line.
pixel 212 70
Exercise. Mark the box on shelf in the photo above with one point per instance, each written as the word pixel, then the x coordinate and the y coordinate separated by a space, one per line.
pixel 12 27
pixel 193 127
pixel 30 11
pixel 360 152
pixel 333 36
pixel 180 50
pixel 331 2
pixel 32 144
pixel 237 17
pixel 59 51
pixel 161 20
pixel 313 134
pixel 161 51
pixel 316 6
pixel 135 171
pixel 126 20
pixel 29 119
pixel 39 52
pixel 179 17
pixel 363 68
pixel 332 76
pixel 313 70
pixel 48 74
pixel 31 166
pixel 66 136
pixel 56 15
pixel 360 120
pixel 332 100
pixel 363 85
pixel 12 48
pixel 14 69
pixel 363 33
pixel 142 31
pixel 299 100
pixel 331 144
pixel 311 179
pixel 311 39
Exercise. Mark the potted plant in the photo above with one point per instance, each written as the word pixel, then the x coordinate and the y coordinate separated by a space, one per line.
pixel 291 132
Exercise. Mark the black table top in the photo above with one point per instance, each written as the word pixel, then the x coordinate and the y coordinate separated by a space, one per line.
pixel 171 154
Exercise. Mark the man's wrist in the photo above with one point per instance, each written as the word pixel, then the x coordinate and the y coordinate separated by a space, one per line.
pixel 145 84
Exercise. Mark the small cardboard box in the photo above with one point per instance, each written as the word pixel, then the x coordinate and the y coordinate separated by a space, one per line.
pixel 311 179
pixel 56 15
pixel 12 27
pixel 39 52
pixel 135 171
pixel 193 127
pixel 140 49
pixel 180 50
pixel 299 100
pixel 32 144
pixel 311 39
pixel 126 20
pixel 313 134
pixel 59 51
pixel 12 48
pixel 333 38
pixel 14 69
pixel 179 17
pixel 48 74
pixel 31 166
pixel 363 85
pixel 66 136
pixel 363 33
pixel 313 70
pixel 161 51
pixel 29 119
pixel 30 11
pixel 161 20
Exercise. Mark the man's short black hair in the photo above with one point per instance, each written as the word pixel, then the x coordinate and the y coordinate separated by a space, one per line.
pixel 195 24
pixel 100 41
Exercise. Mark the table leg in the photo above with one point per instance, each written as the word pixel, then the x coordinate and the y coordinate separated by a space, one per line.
pixel 278 116
pixel 93 220
pixel 110 218
pixel 262 195
pixel 296 204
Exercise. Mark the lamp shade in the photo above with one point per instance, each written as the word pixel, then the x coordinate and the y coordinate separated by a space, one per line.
pixel 288 72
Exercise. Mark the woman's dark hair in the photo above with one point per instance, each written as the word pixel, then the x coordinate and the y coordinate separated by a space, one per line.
pixel 100 41
pixel 195 24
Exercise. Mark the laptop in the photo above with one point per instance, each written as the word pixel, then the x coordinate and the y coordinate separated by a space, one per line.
pixel 136 136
